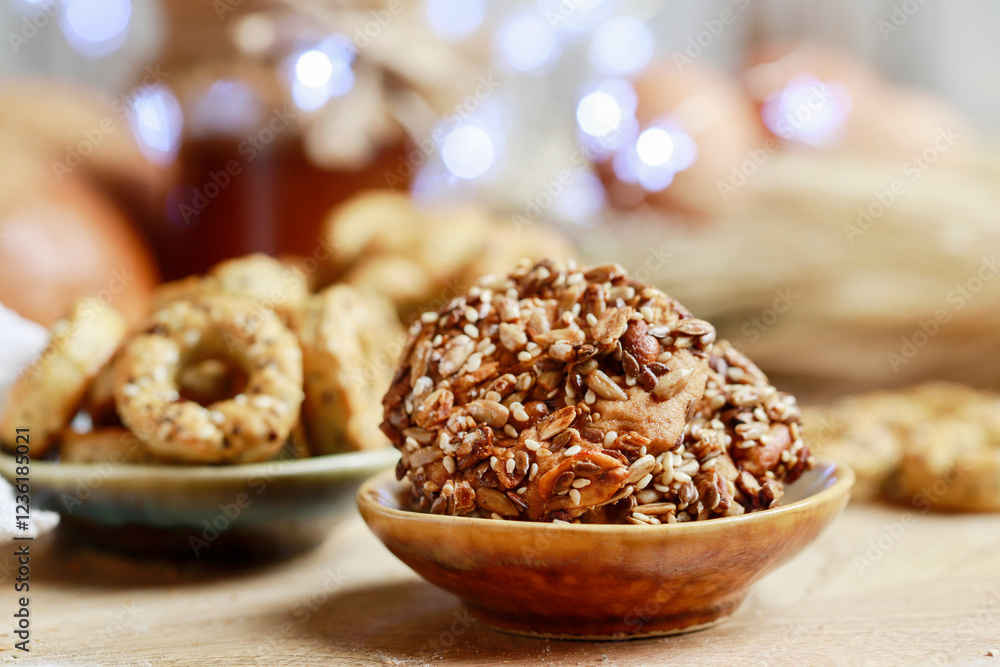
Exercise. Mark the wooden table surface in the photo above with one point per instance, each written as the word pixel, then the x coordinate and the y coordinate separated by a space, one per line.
pixel 871 590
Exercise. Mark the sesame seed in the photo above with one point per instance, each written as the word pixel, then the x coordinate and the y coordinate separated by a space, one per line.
pixel 574 495
pixel 510 431
pixel 474 362
pixel 590 397
pixel 532 445
pixel 522 490
pixel 493 462
pixel 131 390
pixel 609 438
pixel 471 314
pixel 580 482
pixel 263 402
pixel 520 415
pixel 449 464
pixel 218 417
pixel 429 317
pixel 644 482
pixel 240 399
pixel 572 451
pixel 510 466
pixel 471 331
pixel 532 471
pixel 524 355
pixel 591 319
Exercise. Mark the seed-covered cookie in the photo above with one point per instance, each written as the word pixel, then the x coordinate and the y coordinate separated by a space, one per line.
pixel 560 393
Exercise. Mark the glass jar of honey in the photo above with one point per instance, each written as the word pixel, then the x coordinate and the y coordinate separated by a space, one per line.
pixel 270 118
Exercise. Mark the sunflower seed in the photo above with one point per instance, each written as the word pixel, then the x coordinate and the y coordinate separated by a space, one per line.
pixel 672 383
pixel 605 387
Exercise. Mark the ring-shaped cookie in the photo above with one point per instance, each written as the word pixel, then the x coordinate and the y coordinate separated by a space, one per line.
pixel 251 426
pixel 50 391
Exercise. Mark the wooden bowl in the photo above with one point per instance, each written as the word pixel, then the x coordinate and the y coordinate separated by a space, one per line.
pixel 251 512
pixel 574 581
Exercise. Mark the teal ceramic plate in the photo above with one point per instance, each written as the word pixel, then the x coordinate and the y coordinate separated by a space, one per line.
pixel 244 512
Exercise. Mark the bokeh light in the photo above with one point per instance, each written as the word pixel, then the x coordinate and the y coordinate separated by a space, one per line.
pixel 455 20
pixel 95 28
pixel 581 200
pixel 228 106
pixel 526 42
pixel 572 18
pixel 808 110
pixel 313 69
pixel 468 151
pixel 156 121
pixel 656 156
pixel 599 114
pixel 606 117
pixel 622 45
pixel 654 146
pixel 323 72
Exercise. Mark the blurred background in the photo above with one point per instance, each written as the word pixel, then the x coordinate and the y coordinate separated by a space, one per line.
pixel 817 178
